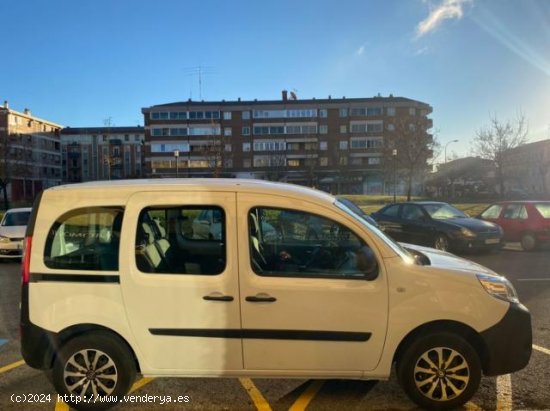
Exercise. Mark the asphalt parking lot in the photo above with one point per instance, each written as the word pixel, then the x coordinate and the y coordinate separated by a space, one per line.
pixel 527 389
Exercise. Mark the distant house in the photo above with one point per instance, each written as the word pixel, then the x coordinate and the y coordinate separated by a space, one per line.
pixel 468 176
pixel 529 168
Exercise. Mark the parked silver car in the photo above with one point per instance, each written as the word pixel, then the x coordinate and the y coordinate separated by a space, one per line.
pixel 12 232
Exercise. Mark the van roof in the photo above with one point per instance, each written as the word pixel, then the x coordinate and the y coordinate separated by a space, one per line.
pixel 127 187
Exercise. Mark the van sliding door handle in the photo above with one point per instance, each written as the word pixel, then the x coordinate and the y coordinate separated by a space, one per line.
pixel 218 297
pixel 260 298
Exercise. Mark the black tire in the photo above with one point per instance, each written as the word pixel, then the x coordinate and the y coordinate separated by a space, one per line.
pixel 441 242
pixel 441 389
pixel 528 242
pixel 110 356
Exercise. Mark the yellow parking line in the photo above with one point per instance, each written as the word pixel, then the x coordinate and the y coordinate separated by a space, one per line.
pixel 303 400
pixel 11 366
pixel 138 384
pixel 257 397
pixel 504 392
pixel 470 406
pixel 61 406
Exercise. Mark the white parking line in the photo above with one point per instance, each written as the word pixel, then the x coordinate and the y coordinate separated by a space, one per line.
pixel 533 279
pixel 504 393
pixel 541 349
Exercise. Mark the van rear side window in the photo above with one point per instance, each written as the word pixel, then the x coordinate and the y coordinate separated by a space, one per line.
pixel 181 240
pixel 85 239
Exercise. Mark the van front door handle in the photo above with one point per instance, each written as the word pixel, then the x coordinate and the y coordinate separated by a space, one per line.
pixel 260 298
pixel 218 297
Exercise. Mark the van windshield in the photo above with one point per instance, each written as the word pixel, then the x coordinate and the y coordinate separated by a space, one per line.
pixel 403 253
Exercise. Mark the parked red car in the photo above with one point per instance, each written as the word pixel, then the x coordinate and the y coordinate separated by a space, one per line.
pixel 524 221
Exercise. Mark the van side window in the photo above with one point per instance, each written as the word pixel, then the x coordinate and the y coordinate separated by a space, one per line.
pixel 291 243
pixel 85 239
pixel 181 240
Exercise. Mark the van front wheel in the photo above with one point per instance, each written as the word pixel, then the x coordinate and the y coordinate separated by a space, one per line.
pixel 439 371
pixel 93 371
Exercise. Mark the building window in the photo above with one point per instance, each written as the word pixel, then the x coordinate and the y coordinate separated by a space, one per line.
pixel 126 137
pixel 227 131
pixel 246 130
pixel 323 129
pixel 228 147
pixel 391 111
pixel 412 111
pixel 343 145
pixel 246 147
pixel 374 160
pixel 293 163
pixel 247 163
pixel 323 113
pixel 374 111
pixel 343 112
pixel 343 161
pixel 391 127
pixel 246 115
pixel 323 145
pixel 343 129
pixel 323 161
pixel 227 115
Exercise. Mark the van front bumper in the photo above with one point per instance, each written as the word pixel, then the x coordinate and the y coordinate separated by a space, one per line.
pixel 509 342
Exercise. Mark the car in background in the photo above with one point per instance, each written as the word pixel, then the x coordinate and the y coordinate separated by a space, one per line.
pixel 525 221
pixel 12 232
pixel 357 210
pixel 438 225
pixel 208 225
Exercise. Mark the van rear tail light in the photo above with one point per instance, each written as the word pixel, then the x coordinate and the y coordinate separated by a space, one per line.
pixel 26 265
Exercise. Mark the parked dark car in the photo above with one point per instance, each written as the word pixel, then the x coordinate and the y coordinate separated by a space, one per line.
pixel 525 221
pixel 438 225
pixel 357 210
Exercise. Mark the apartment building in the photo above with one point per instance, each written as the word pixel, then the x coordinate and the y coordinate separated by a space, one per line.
pixel 335 144
pixel 101 153
pixel 30 155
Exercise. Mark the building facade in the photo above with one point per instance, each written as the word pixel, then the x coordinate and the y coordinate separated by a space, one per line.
pixel 528 168
pixel 30 154
pixel 101 153
pixel 333 144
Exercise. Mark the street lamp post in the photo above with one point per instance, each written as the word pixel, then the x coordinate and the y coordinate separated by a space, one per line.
pixel 394 154
pixel 452 141
pixel 177 156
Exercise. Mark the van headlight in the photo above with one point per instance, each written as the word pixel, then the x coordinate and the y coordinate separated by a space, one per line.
pixel 499 287
pixel 4 239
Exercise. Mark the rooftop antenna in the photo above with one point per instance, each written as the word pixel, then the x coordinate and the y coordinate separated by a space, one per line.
pixel 199 71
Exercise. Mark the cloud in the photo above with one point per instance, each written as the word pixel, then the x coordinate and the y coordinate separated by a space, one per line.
pixel 448 9
pixel 360 51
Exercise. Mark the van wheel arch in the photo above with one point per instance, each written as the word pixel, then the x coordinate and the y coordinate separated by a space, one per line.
pixel 454 327
pixel 81 329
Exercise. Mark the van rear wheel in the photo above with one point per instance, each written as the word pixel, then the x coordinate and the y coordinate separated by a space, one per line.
pixel 439 371
pixel 91 366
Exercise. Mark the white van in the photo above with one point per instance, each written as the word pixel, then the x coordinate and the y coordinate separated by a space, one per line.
pixel 115 282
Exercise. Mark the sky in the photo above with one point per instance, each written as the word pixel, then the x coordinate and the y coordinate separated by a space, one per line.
pixel 78 63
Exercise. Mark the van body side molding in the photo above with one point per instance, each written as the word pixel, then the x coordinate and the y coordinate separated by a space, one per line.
pixel 74 278
pixel 264 334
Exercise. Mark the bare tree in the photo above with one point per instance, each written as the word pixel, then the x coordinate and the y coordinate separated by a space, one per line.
pixel 408 150
pixel 494 142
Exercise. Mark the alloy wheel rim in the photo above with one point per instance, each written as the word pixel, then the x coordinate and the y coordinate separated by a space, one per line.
pixel 441 374
pixel 441 243
pixel 90 372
